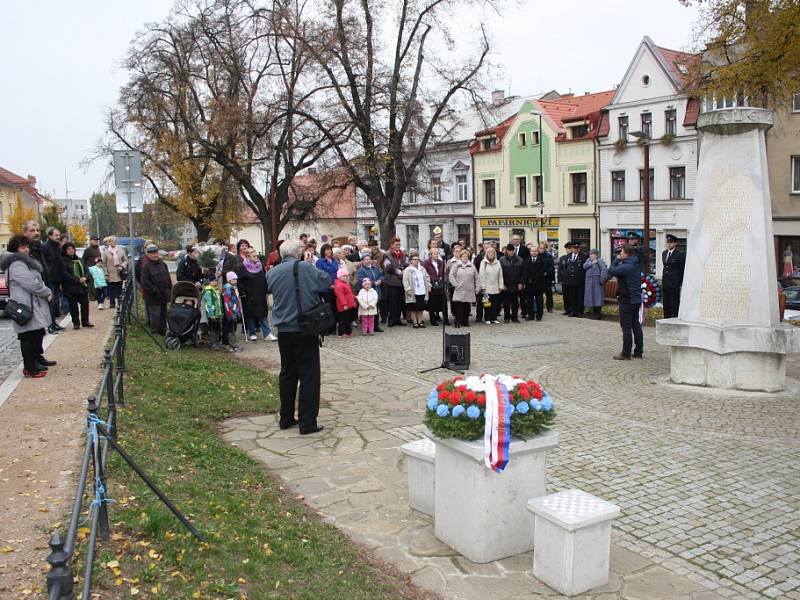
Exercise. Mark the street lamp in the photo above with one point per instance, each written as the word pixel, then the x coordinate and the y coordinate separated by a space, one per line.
pixel 536 113
pixel 644 140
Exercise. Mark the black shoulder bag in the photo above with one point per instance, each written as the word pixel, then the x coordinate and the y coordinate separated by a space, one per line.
pixel 19 313
pixel 316 321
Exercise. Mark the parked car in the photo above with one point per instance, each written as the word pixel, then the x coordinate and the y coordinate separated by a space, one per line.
pixel 3 292
pixel 792 297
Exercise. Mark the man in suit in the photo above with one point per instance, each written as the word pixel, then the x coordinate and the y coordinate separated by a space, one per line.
pixel 524 254
pixel 548 288
pixel 674 262
pixel 573 280
pixel 536 275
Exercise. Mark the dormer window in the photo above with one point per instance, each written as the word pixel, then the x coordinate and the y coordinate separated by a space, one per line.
pixel 488 143
pixel 682 68
pixel 579 131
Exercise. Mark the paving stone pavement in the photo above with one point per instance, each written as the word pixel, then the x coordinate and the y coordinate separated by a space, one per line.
pixel 707 481
pixel 10 356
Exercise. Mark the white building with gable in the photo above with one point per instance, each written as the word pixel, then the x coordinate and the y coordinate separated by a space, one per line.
pixel 649 99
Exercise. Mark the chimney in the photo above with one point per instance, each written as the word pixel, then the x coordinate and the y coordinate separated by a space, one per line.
pixel 32 180
pixel 498 97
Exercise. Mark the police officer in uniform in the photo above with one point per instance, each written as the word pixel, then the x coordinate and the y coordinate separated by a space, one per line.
pixel 674 262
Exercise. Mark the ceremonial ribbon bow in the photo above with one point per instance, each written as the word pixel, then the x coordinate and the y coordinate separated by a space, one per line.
pixel 497 432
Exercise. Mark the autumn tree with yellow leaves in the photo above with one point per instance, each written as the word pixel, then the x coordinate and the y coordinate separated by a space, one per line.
pixel 78 234
pixel 19 216
pixel 750 48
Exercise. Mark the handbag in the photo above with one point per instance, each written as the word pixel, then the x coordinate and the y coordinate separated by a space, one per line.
pixel 19 313
pixel 315 321
pixel 437 285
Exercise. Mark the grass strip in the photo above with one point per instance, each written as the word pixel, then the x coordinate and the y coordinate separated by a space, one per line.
pixel 263 543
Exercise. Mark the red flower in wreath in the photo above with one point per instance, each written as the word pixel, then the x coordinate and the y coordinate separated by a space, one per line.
pixel 443 395
pixel 470 397
pixel 537 393
pixel 440 387
pixel 481 401
pixel 455 398
pixel 524 393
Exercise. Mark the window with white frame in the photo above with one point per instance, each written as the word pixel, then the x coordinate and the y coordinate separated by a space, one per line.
pixel 522 191
pixel 622 123
pixel 436 188
pixel 647 124
pixel 677 183
pixel 412 237
pixel 796 102
pixel 537 180
pixel 578 188
pixel 534 138
pixel 489 193
pixel 463 187
pixel 617 186
pixel 796 174
pixel 523 139
pixel 670 121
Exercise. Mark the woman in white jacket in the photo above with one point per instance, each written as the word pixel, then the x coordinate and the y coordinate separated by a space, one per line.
pixel 417 286
pixel 491 276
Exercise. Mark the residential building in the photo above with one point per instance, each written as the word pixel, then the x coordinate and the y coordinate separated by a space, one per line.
pixel 14 188
pixel 783 162
pixel 650 100
pixel 334 216
pixel 442 196
pixel 74 211
pixel 535 173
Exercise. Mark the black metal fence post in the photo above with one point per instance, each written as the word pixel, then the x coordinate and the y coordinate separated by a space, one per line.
pixel 59 578
pixel 100 497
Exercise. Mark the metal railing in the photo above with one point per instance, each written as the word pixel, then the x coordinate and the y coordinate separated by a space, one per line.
pixel 95 455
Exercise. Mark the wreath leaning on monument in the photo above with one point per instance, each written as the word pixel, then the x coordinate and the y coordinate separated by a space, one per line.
pixel 456 408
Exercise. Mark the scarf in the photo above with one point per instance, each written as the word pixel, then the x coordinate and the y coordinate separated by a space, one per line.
pixel 116 257
pixel 399 255
pixel 252 266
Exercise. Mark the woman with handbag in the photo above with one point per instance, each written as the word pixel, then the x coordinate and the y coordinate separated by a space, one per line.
pixel 75 286
pixel 115 264
pixel 437 302
pixel 28 305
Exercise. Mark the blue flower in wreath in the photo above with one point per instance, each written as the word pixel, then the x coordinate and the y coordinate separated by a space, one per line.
pixel 473 412
pixel 536 405
pixel 458 410
pixel 510 409
pixel 433 403
pixel 547 403
pixel 523 407
pixel 442 410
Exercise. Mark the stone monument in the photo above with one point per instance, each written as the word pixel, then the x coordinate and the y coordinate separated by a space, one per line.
pixel 728 332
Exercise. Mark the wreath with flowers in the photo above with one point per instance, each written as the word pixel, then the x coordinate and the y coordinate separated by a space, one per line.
pixel 651 291
pixel 456 407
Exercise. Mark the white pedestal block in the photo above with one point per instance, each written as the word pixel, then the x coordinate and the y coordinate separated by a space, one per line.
pixel 481 514
pixel 728 333
pixel 420 456
pixel 572 540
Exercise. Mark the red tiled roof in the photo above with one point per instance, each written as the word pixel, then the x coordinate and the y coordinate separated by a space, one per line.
pixel 498 131
pixel 577 108
pixel 692 110
pixel 672 59
pixel 335 190
pixel 10 178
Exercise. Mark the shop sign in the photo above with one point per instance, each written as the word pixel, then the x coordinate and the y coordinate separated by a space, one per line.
pixel 491 234
pixel 530 222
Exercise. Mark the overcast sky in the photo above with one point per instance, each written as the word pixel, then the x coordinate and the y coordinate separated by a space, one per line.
pixel 61 66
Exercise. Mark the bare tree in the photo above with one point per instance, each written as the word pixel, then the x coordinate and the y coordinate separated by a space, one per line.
pixel 393 96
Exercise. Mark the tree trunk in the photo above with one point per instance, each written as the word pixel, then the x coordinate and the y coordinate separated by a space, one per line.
pixel 203 231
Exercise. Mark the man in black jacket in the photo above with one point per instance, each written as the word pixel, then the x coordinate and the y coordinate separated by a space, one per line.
pixel 511 264
pixel 573 280
pixel 674 262
pixel 156 284
pixel 30 231
pixel 536 273
pixel 51 250
pixel 551 278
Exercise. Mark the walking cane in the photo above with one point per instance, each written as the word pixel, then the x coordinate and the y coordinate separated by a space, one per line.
pixel 241 310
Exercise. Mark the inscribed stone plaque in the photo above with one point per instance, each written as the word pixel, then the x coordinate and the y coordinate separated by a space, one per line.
pixel 728 220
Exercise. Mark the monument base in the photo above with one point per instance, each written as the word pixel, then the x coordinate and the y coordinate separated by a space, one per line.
pixel 741 357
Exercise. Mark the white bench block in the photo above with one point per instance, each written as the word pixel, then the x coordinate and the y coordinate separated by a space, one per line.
pixel 572 540
pixel 481 514
pixel 421 476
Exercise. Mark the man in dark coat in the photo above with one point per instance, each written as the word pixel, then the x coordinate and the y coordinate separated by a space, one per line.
pixel 537 272
pixel 51 250
pixel 30 231
pixel 634 241
pixel 625 268
pixel 573 280
pixel 674 262
pixel 156 284
pixel 511 264
pixel 548 288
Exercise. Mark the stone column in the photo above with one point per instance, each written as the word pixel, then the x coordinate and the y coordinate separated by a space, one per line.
pixel 728 332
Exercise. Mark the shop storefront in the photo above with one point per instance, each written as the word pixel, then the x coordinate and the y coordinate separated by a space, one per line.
pixel 530 229
pixel 787 255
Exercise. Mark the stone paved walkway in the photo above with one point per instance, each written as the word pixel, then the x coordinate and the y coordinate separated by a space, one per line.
pixel 707 482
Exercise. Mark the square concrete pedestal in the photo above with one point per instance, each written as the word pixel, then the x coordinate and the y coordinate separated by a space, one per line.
pixel 572 540
pixel 420 456
pixel 481 514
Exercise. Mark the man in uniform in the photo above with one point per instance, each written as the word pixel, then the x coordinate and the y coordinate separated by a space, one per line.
pixel 674 262
pixel 573 280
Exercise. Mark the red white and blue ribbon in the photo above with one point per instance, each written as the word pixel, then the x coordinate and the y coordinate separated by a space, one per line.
pixel 497 431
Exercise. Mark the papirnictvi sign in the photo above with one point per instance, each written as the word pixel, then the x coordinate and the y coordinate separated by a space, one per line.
pixel 519 222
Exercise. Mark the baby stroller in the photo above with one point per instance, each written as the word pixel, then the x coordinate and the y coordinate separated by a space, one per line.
pixel 183 315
